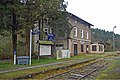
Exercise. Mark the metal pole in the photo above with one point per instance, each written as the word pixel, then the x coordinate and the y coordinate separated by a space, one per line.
pixel 30 45
pixel 39 22
pixel 42 28
pixel 113 39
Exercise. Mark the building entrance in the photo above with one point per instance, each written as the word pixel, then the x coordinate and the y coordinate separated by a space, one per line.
pixel 75 49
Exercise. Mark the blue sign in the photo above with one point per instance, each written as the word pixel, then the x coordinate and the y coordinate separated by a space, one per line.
pixel 35 32
pixel 51 37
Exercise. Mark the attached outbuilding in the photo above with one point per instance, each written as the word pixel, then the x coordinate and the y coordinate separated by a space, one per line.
pixel 97 48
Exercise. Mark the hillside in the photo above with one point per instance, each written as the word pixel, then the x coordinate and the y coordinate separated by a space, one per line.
pixel 105 36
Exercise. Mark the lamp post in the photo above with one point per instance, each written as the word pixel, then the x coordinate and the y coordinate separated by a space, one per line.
pixel 113 39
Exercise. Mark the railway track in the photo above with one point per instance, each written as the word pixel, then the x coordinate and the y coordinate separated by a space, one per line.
pixel 53 68
pixel 80 72
pixel 71 70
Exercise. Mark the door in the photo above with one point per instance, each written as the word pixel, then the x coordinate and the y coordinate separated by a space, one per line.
pixel 87 49
pixel 82 48
pixel 75 49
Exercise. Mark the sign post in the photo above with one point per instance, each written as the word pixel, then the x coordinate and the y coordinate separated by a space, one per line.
pixel 30 45
pixel 32 33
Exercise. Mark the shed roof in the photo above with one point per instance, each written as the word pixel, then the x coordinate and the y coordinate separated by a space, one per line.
pixel 45 42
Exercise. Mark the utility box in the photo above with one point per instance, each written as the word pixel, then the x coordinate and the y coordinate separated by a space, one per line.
pixel 23 60
pixel 65 54
pixel 61 54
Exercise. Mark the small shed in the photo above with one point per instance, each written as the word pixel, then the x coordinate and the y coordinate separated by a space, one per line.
pixel 97 47
pixel 45 48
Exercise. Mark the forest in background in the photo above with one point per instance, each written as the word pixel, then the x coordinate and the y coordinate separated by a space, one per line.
pixel 106 37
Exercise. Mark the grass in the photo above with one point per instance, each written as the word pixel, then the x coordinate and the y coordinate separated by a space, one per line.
pixel 9 65
pixel 4 66
pixel 112 72
pixel 21 73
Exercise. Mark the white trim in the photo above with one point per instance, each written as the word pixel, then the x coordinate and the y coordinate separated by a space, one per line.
pixel 87 36
pixel 75 43
pixel 82 39
pixel 82 33
pixel 75 31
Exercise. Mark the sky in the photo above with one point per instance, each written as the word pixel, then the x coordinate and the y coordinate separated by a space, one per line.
pixel 103 14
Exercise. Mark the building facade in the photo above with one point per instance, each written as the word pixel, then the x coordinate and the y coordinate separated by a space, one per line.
pixel 97 48
pixel 79 39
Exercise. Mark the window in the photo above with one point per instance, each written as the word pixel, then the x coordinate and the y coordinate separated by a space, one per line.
pixel 82 48
pixel 86 34
pixel 100 48
pixel 75 32
pixel 46 30
pixel 81 33
pixel 94 48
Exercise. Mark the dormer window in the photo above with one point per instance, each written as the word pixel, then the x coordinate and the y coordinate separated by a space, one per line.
pixel 75 32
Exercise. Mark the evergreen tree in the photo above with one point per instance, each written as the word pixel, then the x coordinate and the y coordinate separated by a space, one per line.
pixel 27 12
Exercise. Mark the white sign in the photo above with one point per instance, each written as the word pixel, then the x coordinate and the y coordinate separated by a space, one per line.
pixel 65 54
pixel 82 42
pixel 45 49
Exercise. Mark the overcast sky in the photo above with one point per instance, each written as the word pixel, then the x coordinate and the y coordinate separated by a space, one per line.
pixel 103 14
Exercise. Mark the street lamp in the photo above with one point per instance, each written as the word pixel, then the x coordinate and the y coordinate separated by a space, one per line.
pixel 113 39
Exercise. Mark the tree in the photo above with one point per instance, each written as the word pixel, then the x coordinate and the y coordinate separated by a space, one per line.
pixel 8 11
pixel 64 29
pixel 107 37
pixel 27 13
pixel 42 10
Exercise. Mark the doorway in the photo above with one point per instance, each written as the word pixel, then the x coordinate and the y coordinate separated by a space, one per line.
pixel 75 49
pixel 87 49
pixel 82 48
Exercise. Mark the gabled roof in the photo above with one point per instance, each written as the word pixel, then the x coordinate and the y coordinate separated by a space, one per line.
pixel 80 20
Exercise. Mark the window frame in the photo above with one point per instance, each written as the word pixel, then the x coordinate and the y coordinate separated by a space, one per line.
pixel 94 47
pixel 82 33
pixel 75 31
pixel 87 35
pixel 100 48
